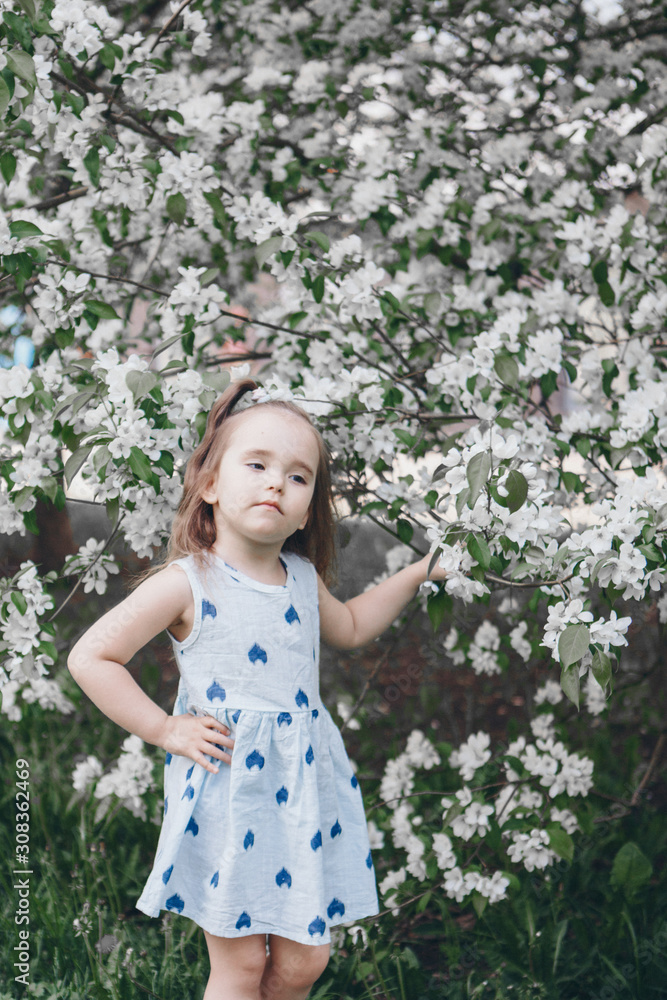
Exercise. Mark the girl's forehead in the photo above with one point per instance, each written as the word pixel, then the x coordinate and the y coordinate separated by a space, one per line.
pixel 268 425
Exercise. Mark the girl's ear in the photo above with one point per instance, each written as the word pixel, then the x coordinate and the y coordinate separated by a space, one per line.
pixel 304 521
pixel 209 494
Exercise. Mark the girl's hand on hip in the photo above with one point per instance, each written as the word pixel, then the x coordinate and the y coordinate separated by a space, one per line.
pixel 197 737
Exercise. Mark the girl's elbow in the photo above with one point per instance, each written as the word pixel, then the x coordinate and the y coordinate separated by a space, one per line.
pixel 74 664
pixel 79 659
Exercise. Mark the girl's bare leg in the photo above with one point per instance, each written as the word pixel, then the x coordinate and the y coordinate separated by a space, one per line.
pixel 292 968
pixel 237 967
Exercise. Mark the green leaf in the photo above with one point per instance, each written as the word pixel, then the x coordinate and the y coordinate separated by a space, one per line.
pixel 561 842
pixel 631 869
pixel 454 810
pixel 140 383
pixel 477 471
pixel 320 238
pixel 318 288
pixel 405 530
pixel 21 64
pixel 572 482
pixel 606 293
pixel 91 162
pixel 29 7
pixel 101 458
pixel 569 682
pixel 600 272
pixel 108 56
pixel 479 550
pixel 573 643
pixel 507 369
pixel 217 380
pixel 432 303
pixel 113 510
pixel 5 97
pixel 601 667
pixel 438 604
pixel 267 249
pixel 218 208
pixel 19 601
pixel 166 462
pixel 22 229
pixel 516 485
pixel 479 903
pixel 176 208
pixel 75 461
pixel 76 400
pixel 7 166
pixel 101 309
pixel 140 465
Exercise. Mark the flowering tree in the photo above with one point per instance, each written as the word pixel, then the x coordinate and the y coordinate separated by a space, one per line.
pixel 441 228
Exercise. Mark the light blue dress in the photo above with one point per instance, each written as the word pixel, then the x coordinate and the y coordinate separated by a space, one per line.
pixel 276 842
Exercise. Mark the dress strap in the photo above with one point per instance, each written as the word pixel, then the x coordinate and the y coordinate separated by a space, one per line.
pixel 187 565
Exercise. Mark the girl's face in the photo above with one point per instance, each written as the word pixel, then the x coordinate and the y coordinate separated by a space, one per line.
pixel 266 477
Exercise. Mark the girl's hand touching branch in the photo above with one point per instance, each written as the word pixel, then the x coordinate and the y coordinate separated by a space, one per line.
pixel 437 572
pixel 197 737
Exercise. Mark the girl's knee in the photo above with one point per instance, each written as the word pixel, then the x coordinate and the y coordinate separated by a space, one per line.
pixel 240 960
pixel 295 965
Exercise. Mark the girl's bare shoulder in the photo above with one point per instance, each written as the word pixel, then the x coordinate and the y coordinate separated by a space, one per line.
pixel 163 601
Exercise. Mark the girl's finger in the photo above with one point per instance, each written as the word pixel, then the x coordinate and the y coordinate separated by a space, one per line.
pixel 212 723
pixel 210 765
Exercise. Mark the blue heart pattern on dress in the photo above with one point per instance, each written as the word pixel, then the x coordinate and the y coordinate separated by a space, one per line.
pixel 291 615
pixel 335 907
pixel 216 691
pixel 316 841
pixel 175 903
pixel 254 759
pixel 192 827
pixel 282 796
pixel 284 718
pixel 208 609
pixel 301 698
pixel 284 878
pixel 256 654
pixel 316 926
pixel 166 874
pixel 248 840
pixel 243 921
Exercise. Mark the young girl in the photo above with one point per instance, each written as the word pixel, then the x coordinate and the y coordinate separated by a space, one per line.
pixel 264 831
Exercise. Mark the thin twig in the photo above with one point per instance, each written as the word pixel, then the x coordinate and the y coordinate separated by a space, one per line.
pixel 78 582
pixel 167 25
pixel 655 757
pixel 60 199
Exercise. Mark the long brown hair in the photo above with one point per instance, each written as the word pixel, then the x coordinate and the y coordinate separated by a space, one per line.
pixel 193 531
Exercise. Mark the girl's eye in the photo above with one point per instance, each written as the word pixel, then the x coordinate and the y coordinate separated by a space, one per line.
pixel 255 465
pixel 299 479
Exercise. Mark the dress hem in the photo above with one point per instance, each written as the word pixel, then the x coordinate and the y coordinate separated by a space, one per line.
pixel 265 928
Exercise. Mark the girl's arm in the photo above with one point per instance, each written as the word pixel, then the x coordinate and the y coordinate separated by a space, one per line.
pixel 365 617
pixel 97 663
